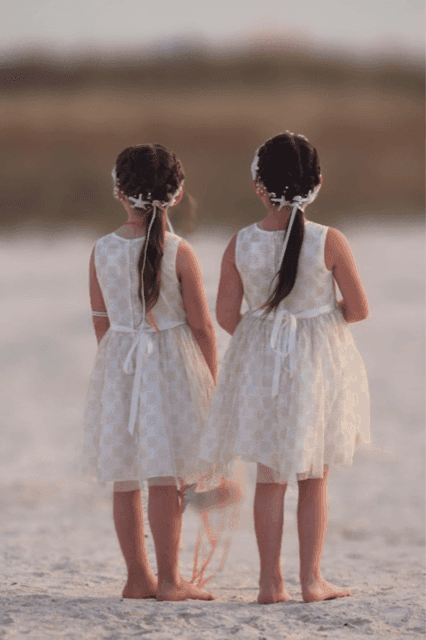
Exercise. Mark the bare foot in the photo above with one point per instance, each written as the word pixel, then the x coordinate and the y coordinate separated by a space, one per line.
pixel 139 589
pixel 182 591
pixel 272 591
pixel 322 590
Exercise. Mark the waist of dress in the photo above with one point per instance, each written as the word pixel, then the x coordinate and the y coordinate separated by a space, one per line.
pixel 147 328
pixel 284 338
pixel 142 344
pixel 301 315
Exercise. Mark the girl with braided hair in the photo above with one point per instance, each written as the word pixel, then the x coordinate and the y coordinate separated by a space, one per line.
pixel 154 371
pixel 292 395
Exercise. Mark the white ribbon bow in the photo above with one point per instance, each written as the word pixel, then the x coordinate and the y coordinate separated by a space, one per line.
pixel 284 337
pixel 283 342
pixel 142 344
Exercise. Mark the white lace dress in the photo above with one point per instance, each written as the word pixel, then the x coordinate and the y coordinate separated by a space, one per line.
pixel 150 389
pixel 292 393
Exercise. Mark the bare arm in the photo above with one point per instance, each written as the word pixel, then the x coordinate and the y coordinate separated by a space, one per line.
pixel 231 291
pixel 101 325
pixel 188 270
pixel 339 258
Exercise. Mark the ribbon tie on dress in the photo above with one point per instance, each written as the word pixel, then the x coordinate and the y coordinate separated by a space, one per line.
pixel 284 337
pixel 283 342
pixel 142 344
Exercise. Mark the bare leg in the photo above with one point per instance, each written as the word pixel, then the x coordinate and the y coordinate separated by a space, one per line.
pixel 165 519
pixel 268 523
pixel 312 526
pixel 129 525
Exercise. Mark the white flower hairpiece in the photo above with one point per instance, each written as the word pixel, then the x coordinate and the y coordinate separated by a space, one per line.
pixel 176 194
pixel 139 202
pixel 301 201
pixel 298 202
pixel 255 165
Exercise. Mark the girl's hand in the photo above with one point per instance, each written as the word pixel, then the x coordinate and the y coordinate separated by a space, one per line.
pixel 339 258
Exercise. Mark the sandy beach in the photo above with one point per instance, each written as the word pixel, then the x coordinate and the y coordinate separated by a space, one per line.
pixel 62 570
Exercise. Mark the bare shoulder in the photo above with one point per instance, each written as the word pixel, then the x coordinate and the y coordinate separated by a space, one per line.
pixel 229 253
pixel 187 261
pixel 336 240
pixel 185 250
pixel 92 262
pixel 336 246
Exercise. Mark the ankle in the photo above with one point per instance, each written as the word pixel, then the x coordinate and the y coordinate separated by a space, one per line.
pixel 275 576
pixel 169 578
pixel 138 569
pixel 308 577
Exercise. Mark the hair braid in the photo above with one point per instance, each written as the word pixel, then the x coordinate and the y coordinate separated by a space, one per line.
pixel 155 173
pixel 288 166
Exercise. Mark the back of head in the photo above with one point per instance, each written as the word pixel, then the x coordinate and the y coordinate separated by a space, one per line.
pixel 149 176
pixel 148 170
pixel 287 166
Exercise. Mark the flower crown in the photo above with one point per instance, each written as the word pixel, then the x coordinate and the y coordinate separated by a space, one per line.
pixel 301 201
pixel 139 202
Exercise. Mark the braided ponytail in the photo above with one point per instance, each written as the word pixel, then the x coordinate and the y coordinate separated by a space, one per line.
pixel 151 175
pixel 288 166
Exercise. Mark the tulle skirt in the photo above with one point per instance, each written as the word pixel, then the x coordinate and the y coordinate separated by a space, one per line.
pixel 174 398
pixel 321 411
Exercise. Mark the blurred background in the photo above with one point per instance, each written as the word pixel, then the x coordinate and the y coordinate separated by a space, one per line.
pixel 212 81
pixel 81 81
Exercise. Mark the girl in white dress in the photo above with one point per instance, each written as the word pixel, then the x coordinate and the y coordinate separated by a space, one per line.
pixel 292 395
pixel 154 371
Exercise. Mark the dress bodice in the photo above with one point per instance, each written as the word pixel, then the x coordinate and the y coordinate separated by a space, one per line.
pixel 257 256
pixel 116 260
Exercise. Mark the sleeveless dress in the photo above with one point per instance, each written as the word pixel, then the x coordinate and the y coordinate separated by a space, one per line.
pixel 150 387
pixel 292 393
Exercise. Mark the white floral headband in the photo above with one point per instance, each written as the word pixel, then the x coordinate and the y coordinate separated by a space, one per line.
pixel 301 201
pixel 139 202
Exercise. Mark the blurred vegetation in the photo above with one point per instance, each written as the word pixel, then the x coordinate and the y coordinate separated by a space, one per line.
pixel 64 121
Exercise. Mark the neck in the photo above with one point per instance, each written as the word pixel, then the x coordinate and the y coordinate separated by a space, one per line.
pixel 277 220
pixel 135 222
pixel 133 228
pixel 137 225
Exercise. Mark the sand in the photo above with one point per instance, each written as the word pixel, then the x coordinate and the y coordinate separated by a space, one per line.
pixel 62 570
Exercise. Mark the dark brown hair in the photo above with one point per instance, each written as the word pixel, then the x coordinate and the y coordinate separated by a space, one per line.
pixel 288 166
pixel 155 173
